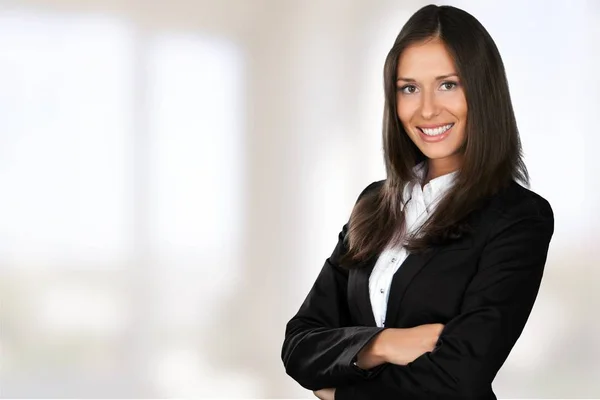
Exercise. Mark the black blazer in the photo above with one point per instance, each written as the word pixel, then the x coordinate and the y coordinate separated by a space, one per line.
pixel 482 287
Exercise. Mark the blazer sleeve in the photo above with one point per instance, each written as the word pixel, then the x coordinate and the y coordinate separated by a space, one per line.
pixel 473 346
pixel 319 343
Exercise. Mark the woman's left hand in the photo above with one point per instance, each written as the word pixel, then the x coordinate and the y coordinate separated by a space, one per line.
pixel 325 394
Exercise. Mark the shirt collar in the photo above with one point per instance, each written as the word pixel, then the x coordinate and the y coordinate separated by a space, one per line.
pixel 442 183
pixel 436 186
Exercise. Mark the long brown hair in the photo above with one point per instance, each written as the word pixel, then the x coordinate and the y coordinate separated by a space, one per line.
pixel 492 153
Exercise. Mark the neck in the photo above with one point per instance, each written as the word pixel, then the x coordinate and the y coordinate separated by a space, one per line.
pixel 441 166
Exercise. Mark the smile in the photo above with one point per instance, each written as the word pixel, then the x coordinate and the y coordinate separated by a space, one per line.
pixel 436 131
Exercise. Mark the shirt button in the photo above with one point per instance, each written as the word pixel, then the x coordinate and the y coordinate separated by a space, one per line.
pixel 381 290
pixel 394 259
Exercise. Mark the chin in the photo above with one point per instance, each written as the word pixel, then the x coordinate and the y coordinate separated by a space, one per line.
pixel 434 155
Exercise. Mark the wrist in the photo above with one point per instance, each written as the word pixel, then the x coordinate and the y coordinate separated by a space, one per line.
pixel 380 346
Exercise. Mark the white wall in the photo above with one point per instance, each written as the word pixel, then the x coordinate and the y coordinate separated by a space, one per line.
pixel 174 175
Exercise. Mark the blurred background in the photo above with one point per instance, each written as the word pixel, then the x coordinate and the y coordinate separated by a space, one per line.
pixel 174 173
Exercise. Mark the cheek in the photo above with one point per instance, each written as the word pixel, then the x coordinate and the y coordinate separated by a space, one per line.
pixel 405 110
pixel 462 111
pixel 459 105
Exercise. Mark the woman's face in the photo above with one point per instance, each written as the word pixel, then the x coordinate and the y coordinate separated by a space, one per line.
pixel 431 102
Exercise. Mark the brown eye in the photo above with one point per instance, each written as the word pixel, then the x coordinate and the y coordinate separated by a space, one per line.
pixel 449 85
pixel 408 89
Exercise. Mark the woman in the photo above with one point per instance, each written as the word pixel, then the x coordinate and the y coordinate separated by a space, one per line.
pixel 435 274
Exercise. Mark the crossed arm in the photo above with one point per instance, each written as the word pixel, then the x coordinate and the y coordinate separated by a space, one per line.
pixel 320 347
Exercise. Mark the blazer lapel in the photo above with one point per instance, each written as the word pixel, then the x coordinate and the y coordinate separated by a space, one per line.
pixel 358 292
pixel 358 286
pixel 402 279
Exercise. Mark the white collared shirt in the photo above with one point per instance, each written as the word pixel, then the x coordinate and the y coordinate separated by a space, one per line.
pixel 418 205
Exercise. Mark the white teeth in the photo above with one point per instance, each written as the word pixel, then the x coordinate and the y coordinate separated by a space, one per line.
pixel 436 131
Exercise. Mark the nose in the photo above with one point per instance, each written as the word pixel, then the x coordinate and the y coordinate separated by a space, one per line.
pixel 429 106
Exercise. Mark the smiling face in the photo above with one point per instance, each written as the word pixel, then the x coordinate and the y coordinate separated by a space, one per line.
pixel 431 104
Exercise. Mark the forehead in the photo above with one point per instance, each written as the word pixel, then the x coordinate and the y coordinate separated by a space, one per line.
pixel 425 60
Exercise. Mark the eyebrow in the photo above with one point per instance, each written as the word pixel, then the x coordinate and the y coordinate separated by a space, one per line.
pixel 437 78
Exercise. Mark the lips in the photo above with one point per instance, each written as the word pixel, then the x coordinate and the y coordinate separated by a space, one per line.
pixel 434 130
pixel 435 134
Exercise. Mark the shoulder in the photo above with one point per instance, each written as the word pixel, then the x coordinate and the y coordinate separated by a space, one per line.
pixel 511 202
pixel 373 187
pixel 516 201
pixel 519 212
